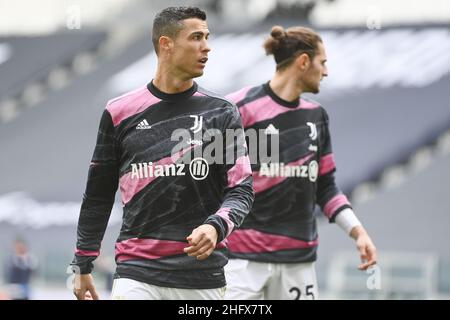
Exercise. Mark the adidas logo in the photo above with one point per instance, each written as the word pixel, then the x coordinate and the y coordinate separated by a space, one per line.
pixel 271 130
pixel 143 125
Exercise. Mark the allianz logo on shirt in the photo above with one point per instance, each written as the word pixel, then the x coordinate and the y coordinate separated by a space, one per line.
pixel 198 169
pixel 272 170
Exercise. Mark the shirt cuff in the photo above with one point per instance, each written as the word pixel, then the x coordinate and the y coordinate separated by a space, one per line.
pixel 347 220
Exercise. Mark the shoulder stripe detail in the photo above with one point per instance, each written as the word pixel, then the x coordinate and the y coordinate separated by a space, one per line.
pixel 130 104
pixel 265 108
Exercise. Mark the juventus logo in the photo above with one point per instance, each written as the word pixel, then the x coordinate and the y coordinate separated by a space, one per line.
pixel 199 168
pixel 313 133
pixel 198 123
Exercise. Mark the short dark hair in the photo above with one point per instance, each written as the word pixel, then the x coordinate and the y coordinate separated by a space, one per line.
pixel 288 44
pixel 168 22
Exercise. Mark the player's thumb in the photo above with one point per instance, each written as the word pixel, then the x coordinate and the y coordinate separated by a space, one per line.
pixel 192 237
pixel 362 252
pixel 94 293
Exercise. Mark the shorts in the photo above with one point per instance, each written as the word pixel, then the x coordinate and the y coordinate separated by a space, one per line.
pixel 250 280
pixel 128 289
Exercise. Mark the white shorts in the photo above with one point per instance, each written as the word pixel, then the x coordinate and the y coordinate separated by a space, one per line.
pixel 128 289
pixel 249 280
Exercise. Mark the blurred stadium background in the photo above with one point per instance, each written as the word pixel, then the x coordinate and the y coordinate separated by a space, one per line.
pixel 387 94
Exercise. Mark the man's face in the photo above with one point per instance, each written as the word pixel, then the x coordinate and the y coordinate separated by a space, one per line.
pixel 316 71
pixel 20 248
pixel 190 50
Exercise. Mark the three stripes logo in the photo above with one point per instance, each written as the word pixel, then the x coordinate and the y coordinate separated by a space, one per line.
pixel 143 125
pixel 199 168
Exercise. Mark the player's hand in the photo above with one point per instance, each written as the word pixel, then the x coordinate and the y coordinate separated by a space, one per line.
pixel 365 246
pixel 84 288
pixel 202 242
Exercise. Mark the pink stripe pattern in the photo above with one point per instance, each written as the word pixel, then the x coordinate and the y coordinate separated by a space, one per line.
pixel 265 108
pixel 224 213
pixel 238 95
pixel 130 187
pixel 335 203
pixel 87 253
pixel 150 249
pixel 262 183
pixel 130 104
pixel 327 164
pixel 253 241
pixel 239 172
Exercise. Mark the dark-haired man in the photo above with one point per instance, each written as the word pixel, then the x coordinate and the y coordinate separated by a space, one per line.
pixel 176 213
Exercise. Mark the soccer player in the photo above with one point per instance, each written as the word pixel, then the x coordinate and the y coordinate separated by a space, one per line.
pixel 274 250
pixel 175 214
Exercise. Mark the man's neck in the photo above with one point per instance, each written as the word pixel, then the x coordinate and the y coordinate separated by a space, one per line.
pixel 167 82
pixel 285 86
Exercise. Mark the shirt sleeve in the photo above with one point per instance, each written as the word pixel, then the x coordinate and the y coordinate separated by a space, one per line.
pixel 329 196
pixel 238 194
pixel 98 198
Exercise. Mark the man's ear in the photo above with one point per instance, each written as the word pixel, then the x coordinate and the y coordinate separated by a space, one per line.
pixel 303 61
pixel 165 43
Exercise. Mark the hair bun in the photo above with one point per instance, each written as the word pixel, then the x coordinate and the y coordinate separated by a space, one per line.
pixel 277 32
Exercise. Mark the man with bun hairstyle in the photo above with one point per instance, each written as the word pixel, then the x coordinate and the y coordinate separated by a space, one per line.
pixel 273 252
